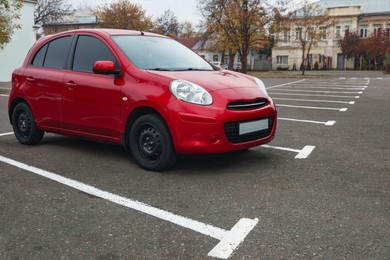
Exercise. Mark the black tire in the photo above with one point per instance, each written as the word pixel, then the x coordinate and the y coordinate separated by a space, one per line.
pixel 24 126
pixel 151 143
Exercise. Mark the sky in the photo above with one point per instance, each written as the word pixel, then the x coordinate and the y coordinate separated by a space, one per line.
pixel 185 10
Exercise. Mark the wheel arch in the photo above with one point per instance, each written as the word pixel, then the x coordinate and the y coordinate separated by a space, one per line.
pixel 13 104
pixel 136 113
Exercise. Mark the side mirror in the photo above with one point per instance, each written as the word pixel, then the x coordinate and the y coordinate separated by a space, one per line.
pixel 106 67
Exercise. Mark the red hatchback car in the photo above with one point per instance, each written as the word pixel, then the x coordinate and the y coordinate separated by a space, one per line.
pixel 143 90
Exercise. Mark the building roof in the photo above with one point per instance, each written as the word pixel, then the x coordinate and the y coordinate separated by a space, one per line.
pixel 366 6
pixel 189 42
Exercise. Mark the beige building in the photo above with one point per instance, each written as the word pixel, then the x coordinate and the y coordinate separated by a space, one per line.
pixel 357 16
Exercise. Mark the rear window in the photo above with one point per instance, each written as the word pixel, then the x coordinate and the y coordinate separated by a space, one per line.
pixel 53 54
pixel 40 56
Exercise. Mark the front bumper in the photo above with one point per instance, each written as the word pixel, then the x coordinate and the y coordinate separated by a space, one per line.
pixel 206 130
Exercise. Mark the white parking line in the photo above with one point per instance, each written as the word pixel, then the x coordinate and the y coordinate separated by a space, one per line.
pixel 4 95
pixel 319 108
pixel 313 100
pixel 9 133
pixel 315 91
pixel 286 84
pixel 229 239
pixel 326 87
pixel 302 154
pixel 312 95
pixel 328 123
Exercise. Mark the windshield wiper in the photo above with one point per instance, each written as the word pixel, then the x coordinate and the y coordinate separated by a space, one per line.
pixel 198 69
pixel 160 69
pixel 192 69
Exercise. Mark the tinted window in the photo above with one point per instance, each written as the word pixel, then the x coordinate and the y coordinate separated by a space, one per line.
pixel 57 53
pixel 88 51
pixel 40 56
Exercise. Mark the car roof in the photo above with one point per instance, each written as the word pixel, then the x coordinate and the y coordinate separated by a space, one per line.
pixel 111 32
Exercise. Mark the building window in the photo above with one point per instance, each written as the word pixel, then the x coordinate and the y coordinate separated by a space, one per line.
pixel 298 34
pixel 338 31
pixel 215 57
pixel 323 33
pixel 310 59
pixel 310 33
pixel 346 29
pixel 363 31
pixel 282 60
pixel 377 28
pixel 225 59
pixel 286 37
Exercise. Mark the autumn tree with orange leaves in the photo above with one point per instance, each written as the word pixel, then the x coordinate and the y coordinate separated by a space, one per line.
pixel 372 49
pixel 9 13
pixel 376 46
pixel 240 24
pixel 123 15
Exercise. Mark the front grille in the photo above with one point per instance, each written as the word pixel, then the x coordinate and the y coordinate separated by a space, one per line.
pixel 232 131
pixel 247 104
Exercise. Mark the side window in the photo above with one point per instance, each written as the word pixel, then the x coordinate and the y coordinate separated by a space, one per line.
pixel 57 53
pixel 88 51
pixel 40 56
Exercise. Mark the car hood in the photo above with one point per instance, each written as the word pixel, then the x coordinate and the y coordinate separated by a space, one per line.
pixel 211 80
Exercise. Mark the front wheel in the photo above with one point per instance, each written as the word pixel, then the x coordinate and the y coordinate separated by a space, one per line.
pixel 24 125
pixel 151 143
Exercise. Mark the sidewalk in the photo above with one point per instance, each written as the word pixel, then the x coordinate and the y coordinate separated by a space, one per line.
pixel 5 84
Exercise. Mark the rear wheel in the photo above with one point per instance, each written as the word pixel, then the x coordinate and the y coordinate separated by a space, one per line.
pixel 24 126
pixel 151 143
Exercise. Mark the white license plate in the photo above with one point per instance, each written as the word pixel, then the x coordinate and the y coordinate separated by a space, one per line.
pixel 254 126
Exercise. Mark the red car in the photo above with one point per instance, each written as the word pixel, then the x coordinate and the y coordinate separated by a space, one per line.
pixel 143 90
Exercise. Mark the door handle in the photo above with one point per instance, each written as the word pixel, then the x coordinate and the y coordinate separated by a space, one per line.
pixel 30 79
pixel 71 85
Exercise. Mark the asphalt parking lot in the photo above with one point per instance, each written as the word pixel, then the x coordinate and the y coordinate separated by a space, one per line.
pixel 320 189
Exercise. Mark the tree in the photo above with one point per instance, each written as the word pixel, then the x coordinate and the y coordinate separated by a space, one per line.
pixel 167 24
pixel 376 46
pixel 373 48
pixel 240 23
pixel 49 11
pixel 351 46
pixel 187 30
pixel 311 23
pixel 9 12
pixel 123 15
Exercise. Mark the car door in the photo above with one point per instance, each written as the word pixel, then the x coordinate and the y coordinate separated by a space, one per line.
pixel 44 76
pixel 91 102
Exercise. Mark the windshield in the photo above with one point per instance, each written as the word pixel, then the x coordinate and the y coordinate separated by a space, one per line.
pixel 156 53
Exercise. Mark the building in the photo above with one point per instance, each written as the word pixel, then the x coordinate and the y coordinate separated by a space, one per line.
pixel 80 19
pixel 205 49
pixel 360 16
pixel 13 54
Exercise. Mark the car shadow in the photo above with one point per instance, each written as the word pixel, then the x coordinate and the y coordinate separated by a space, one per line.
pixel 187 164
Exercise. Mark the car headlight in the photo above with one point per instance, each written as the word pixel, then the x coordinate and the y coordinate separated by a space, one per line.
pixel 190 92
pixel 261 86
